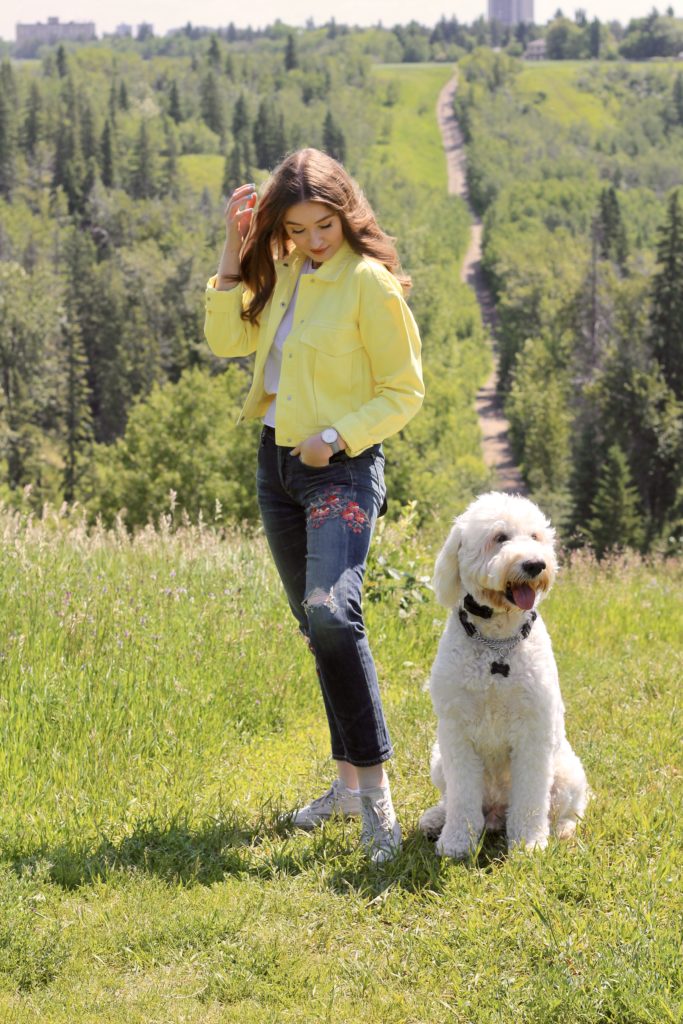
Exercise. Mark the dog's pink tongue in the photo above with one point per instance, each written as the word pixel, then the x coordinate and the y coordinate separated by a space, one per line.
pixel 524 596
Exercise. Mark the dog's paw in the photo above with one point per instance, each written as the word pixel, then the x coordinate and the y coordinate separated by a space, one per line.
pixel 456 845
pixel 528 843
pixel 565 828
pixel 432 821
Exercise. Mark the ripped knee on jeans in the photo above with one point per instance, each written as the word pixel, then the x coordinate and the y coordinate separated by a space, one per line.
pixel 320 598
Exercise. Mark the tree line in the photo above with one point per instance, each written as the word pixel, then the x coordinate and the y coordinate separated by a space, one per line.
pixel 656 35
pixel 583 244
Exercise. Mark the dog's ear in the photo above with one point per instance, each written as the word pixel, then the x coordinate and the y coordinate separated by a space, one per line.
pixel 446 579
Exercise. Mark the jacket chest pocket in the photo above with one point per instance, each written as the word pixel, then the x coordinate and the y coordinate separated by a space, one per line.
pixel 331 366
pixel 333 341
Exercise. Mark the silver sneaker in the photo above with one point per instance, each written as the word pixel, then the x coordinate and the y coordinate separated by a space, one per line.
pixel 338 799
pixel 381 832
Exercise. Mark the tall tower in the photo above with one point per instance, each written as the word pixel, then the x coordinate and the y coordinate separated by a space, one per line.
pixel 511 12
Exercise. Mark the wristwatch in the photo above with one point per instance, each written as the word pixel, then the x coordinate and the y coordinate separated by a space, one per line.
pixel 330 436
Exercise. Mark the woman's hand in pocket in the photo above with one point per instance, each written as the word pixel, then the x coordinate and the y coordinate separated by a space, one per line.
pixel 313 452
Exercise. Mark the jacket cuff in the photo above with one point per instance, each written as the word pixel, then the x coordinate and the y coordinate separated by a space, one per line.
pixel 356 441
pixel 222 301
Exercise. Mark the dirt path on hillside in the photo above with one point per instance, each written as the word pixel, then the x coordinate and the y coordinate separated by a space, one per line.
pixel 494 427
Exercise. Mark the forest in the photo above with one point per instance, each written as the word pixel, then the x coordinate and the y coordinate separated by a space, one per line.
pixel 115 160
pixel 577 174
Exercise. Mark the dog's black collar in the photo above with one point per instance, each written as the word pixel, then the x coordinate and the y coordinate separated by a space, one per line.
pixel 504 647
pixel 482 610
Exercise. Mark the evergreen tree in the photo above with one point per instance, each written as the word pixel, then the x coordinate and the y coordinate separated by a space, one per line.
pixel 678 98
pixel 269 135
pixel 611 232
pixel 616 520
pixel 170 174
pixel 174 109
pixel 33 120
pixel 594 39
pixel 238 166
pixel 634 404
pixel 247 158
pixel 8 84
pixel 540 422
pixel 123 97
pixel 667 298
pixel 113 102
pixel 232 171
pixel 77 414
pixel 214 53
pixel 230 68
pixel 8 145
pixel 240 117
pixel 107 156
pixel 143 184
pixel 62 62
pixel 291 56
pixel 69 170
pixel 89 144
pixel 334 140
pixel 212 105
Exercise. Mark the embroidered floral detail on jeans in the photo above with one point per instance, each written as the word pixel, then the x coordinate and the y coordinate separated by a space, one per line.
pixel 331 505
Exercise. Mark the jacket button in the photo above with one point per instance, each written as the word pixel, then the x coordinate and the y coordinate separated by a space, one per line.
pixel 282 303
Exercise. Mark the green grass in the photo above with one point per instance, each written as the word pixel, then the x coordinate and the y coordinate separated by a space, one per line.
pixel 158 710
pixel 552 87
pixel 202 170
pixel 411 138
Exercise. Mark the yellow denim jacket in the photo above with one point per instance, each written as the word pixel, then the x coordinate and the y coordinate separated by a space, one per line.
pixel 351 360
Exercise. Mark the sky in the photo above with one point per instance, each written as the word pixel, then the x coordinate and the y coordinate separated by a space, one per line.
pixel 167 14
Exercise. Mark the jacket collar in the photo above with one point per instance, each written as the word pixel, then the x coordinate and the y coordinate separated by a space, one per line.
pixel 327 271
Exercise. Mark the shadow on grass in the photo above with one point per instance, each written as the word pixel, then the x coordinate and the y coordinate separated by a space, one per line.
pixel 181 853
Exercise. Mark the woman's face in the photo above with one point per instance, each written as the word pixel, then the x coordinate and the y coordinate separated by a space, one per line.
pixel 315 229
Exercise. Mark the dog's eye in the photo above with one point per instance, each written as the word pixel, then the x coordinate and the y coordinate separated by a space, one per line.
pixel 534 536
pixel 500 538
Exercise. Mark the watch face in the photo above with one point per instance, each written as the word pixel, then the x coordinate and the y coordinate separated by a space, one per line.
pixel 329 435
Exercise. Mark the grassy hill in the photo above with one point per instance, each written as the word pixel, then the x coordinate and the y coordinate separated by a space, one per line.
pixel 159 711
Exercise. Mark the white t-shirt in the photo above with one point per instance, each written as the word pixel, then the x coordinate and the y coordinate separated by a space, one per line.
pixel 273 367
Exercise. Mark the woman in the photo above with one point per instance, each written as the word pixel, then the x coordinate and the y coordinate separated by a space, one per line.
pixel 309 281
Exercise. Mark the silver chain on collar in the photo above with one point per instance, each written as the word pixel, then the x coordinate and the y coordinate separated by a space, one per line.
pixel 497 646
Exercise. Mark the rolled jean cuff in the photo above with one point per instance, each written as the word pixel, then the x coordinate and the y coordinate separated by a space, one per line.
pixel 364 764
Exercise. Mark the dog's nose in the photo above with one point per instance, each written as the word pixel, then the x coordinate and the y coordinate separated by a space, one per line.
pixel 533 568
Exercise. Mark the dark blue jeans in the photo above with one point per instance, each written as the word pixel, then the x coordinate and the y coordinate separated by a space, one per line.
pixel 318 523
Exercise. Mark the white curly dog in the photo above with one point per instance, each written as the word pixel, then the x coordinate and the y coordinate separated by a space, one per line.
pixel 501 759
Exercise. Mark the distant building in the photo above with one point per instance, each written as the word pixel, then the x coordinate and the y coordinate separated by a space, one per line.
pixel 124 30
pixel 511 12
pixel 30 37
pixel 536 50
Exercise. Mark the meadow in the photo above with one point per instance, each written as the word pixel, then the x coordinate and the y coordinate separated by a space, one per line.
pixel 159 711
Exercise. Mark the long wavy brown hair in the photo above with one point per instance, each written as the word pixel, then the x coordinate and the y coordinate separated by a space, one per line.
pixel 308 176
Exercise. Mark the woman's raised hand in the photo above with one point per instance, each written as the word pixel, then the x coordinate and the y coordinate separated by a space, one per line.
pixel 238 214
